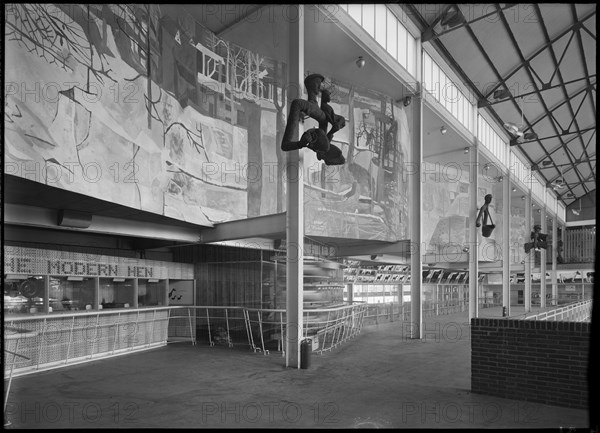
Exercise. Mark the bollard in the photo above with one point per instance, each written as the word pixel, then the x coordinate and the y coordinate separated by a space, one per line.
pixel 305 351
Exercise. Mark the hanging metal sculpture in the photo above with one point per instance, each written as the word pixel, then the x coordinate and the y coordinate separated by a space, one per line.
pixel 487 229
pixel 316 139
pixel 538 240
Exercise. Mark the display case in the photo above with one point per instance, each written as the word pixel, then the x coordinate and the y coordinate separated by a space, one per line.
pixel 117 292
pixel 24 294
pixel 72 293
pixel 151 292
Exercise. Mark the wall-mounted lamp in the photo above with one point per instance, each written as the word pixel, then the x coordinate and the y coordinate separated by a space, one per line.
pixel 465 249
pixel 467 149
pixel 539 211
pixel 486 166
pixel 522 197
pixel 407 101
pixel 514 189
pixel 443 130
pixel 500 178
pixel 360 62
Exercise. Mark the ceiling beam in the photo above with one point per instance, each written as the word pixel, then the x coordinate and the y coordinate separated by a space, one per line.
pixel 401 248
pixel 269 226
pixel 564 90
pixel 585 68
pixel 586 88
pixel 487 103
pixel 538 52
pixel 22 215
pixel 522 58
pixel 429 34
pixel 514 142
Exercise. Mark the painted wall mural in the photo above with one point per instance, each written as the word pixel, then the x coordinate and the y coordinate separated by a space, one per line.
pixel 367 197
pixel 142 106
pixel 147 110
pixel 445 213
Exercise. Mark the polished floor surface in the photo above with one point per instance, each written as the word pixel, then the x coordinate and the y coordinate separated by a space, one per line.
pixel 379 379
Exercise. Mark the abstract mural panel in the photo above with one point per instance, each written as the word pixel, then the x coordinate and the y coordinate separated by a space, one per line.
pixel 446 208
pixel 147 110
pixel 142 106
pixel 367 197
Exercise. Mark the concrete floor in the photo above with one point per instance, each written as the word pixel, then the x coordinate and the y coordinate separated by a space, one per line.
pixel 380 379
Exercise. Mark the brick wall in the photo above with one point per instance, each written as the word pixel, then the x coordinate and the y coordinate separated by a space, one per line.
pixel 538 361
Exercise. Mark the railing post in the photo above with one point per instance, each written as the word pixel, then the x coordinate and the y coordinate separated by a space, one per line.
pixel 151 339
pixel 210 341
pixel 95 334
pixel 262 340
pixel 42 345
pixel 229 343
pixel 116 332
pixel 70 340
pixel 191 326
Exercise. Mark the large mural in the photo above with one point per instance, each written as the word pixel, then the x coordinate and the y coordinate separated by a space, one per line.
pixel 446 208
pixel 367 197
pixel 149 109
pixel 141 108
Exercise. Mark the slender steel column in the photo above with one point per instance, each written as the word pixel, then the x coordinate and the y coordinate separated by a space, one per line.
pixel 543 262
pixel 473 230
pixel 531 254
pixel 506 203
pixel 416 200
pixel 554 262
pixel 295 201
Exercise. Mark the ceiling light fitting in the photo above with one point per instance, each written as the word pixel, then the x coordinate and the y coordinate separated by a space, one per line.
pixel 513 128
pixel 575 211
pixel 360 62
pixel 452 17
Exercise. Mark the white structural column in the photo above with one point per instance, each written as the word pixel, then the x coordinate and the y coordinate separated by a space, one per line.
pixel 506 204
pixel 473 235
pixel 554 253
pixel 543 261
pixel 416 200
pixel 529 257
pixel 295 200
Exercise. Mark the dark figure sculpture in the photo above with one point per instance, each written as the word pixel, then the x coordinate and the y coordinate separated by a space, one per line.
pixel 559 248
pixel 538 240
pixel 487 229
pixel 316 139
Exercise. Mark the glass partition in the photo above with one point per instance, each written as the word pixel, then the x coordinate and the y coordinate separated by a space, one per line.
pixel 72 293
pixel 151 292
pixel 116 292
pixel 23 294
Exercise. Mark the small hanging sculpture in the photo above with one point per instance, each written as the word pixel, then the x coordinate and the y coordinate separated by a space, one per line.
pixel 316 139
pixel 487 229
pixel 538 240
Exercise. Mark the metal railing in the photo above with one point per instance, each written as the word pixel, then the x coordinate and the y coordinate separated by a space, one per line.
pixel 575 312
pixel 55 340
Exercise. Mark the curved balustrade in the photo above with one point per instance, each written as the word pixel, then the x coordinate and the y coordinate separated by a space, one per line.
pixel 575 312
